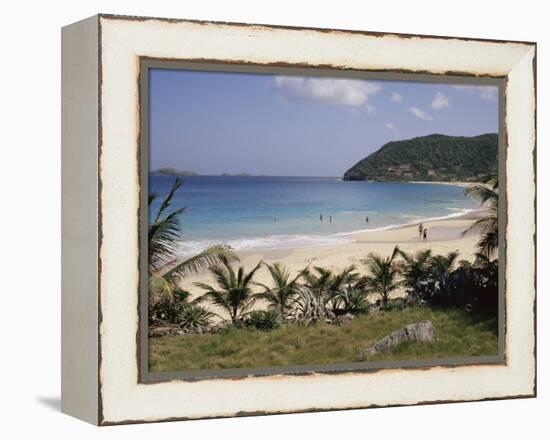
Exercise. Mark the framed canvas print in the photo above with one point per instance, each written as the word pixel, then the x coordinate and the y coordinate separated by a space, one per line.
pixel 263 220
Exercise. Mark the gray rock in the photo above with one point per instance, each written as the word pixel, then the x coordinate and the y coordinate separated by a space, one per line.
pixel 421 331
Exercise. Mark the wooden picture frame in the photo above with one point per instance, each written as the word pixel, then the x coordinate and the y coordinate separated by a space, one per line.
pixel 104 373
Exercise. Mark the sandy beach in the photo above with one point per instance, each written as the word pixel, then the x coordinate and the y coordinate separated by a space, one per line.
pixel 443 236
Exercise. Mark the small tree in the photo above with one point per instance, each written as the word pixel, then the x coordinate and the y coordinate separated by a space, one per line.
pixel 234 293
pixel 415 268
pixel 384 275
pixel 284 289
pixel 310 304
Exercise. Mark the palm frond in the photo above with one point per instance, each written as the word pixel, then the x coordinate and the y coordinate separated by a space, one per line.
pixel 163 240
pixel 168 199
pixel 203 260
pixel 482 193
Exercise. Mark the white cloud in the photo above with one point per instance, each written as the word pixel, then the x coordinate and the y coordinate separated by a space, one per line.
pixel 484 92
pixel 396 97
pixel 440 101
pixel 421 114
pixel 391 126
pixel 346 92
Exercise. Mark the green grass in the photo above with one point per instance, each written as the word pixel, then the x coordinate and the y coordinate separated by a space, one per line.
pixel 458 334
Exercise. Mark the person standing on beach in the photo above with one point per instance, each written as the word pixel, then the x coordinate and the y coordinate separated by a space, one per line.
pixel 330 218
pixel 367 219
pixel 420 228
pixel 321 217
pixel 425 234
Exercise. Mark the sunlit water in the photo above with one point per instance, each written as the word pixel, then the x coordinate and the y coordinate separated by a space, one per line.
pixel 278 212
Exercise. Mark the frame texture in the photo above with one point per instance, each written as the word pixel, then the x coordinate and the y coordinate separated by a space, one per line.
pixel 120 44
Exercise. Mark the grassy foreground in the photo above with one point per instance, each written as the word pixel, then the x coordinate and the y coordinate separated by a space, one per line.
pixel 458 334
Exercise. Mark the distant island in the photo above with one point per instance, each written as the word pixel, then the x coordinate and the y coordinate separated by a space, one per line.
pixel 436 157
pixel 169 171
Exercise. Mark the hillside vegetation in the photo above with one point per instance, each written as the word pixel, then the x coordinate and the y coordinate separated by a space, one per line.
pixel 435 157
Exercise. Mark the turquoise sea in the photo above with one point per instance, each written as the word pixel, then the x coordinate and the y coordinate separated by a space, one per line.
pixel 278 212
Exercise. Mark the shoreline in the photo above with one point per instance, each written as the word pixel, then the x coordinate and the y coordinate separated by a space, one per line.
pixel 443 182
pixel 444 236
pixel 298 241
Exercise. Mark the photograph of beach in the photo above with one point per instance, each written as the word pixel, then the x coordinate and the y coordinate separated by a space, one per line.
pixel 299 220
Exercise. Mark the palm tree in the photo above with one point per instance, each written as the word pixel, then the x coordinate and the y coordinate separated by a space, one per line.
pixel 164 236
pixel 487 226
pixel 353 298
pixel 234 293
pixel 343 289
pixel 310 304
pixel 415 267
pixel 441 270
pixel 384 275
pixel 284 289
pixel 441 264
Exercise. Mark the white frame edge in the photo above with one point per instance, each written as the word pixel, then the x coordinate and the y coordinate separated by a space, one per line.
pixel 79 214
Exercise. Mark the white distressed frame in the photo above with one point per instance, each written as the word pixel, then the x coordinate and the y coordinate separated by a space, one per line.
pixel 122 41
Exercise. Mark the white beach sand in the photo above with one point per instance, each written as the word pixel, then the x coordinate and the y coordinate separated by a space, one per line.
pixel 443 236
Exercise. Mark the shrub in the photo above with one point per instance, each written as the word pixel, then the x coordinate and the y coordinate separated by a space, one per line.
pixel 264 319
pixel 311 305
pixel 395 304
pixel 194 317
pixel 470 286
pixel 354 300
pixel 168 309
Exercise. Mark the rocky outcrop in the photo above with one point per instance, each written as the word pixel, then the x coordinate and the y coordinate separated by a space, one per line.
pixel 421 331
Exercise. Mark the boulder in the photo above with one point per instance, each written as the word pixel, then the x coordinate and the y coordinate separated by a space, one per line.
pixel 421 331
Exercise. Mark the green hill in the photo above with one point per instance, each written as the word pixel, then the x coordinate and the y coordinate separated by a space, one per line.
pixel 435 157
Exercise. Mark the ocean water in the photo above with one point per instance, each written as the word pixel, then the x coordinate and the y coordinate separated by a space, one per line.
pixel 279 212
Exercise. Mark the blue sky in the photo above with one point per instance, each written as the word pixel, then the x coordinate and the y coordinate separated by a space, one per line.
pixel 216 122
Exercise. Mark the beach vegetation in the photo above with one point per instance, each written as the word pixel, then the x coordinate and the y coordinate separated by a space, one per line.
pixel 284 288
pixel 385 275
pixel 264 319
pixel 233 292
pixel 165 271
pixel 194 317
pixel 487 226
